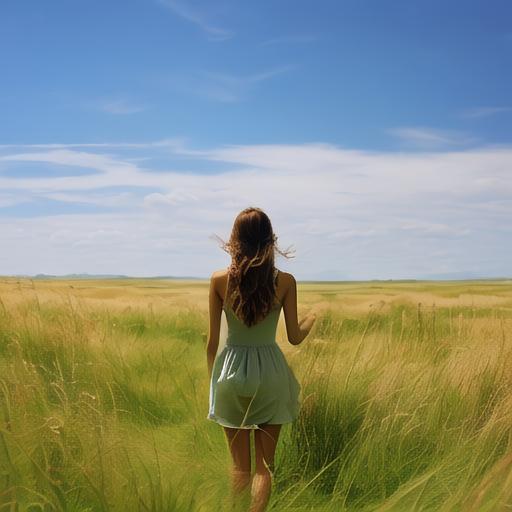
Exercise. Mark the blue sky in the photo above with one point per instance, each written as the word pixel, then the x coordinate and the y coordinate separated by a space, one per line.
pixel 377 135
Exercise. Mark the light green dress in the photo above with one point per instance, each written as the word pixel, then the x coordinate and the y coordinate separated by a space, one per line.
pixel 251 381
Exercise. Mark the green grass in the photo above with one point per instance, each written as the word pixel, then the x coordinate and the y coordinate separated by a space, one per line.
pixel 404 407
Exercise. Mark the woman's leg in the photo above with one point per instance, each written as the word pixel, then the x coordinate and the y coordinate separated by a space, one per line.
pixel 239 441
pixel 265 442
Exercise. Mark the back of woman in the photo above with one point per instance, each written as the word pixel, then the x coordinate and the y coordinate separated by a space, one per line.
pixel 252 383
pixel 252 386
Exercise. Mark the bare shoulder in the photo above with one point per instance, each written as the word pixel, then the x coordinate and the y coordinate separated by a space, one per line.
pixel 217 281
pixel 286 276
pixel 219 274
pixel 287 279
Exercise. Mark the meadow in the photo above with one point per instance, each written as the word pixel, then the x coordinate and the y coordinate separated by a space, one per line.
pixel 406 398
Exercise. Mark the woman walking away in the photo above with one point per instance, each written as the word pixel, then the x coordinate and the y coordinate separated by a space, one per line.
pixel 251 385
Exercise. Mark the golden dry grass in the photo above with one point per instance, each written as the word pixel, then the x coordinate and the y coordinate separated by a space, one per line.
pixel 406 389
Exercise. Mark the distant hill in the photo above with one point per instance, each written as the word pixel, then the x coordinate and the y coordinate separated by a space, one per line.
pixel 100 276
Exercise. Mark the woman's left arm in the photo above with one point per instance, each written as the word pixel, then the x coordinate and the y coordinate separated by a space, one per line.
pixel 215 311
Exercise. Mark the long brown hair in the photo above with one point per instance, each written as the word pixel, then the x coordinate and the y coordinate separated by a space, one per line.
pixel 252 245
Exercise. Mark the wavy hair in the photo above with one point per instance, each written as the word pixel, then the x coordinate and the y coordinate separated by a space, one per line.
pixel 252 246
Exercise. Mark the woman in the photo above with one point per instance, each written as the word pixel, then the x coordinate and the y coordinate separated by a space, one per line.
pixel 251 385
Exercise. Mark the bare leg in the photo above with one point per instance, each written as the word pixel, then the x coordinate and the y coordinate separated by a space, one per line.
pixel 239 441
pixel 265 442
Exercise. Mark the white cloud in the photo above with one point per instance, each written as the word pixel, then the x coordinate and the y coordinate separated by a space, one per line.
pixel 172 198
pixel 434 229
pixel 105 171
pixel 375 214
pixel 12 199
pixel 105 237
pixel 67 157
pixel 109 200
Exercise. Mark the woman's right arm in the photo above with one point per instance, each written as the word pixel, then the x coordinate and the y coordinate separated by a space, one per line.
pixel 295 330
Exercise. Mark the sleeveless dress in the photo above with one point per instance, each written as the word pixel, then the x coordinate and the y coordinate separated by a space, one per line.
pixel 251 381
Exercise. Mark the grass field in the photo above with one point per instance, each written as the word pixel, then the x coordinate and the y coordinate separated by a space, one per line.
pixel 406 398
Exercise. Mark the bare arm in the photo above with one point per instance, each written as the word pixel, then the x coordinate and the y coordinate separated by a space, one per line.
pixel 295 330
pixel 215 311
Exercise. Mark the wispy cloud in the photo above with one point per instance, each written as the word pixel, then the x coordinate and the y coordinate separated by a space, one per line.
pixel 115 105
pixel 175 143
pixel 70 158
pixel 121 107
pixel 179 195
pixel 224 87
pixel 196 16
pixel 429 138
pixel 485 111
pixel 121 199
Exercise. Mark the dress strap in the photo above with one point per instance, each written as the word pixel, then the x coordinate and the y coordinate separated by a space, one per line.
pixel 276 271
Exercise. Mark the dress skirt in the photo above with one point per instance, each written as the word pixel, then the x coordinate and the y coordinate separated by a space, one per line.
pixel 251 385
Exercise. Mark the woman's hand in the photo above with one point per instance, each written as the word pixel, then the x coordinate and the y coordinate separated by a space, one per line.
pixel 306 323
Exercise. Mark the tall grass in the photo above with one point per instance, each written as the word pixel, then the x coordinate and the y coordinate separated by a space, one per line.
pixel 407 418
pixel 404 407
